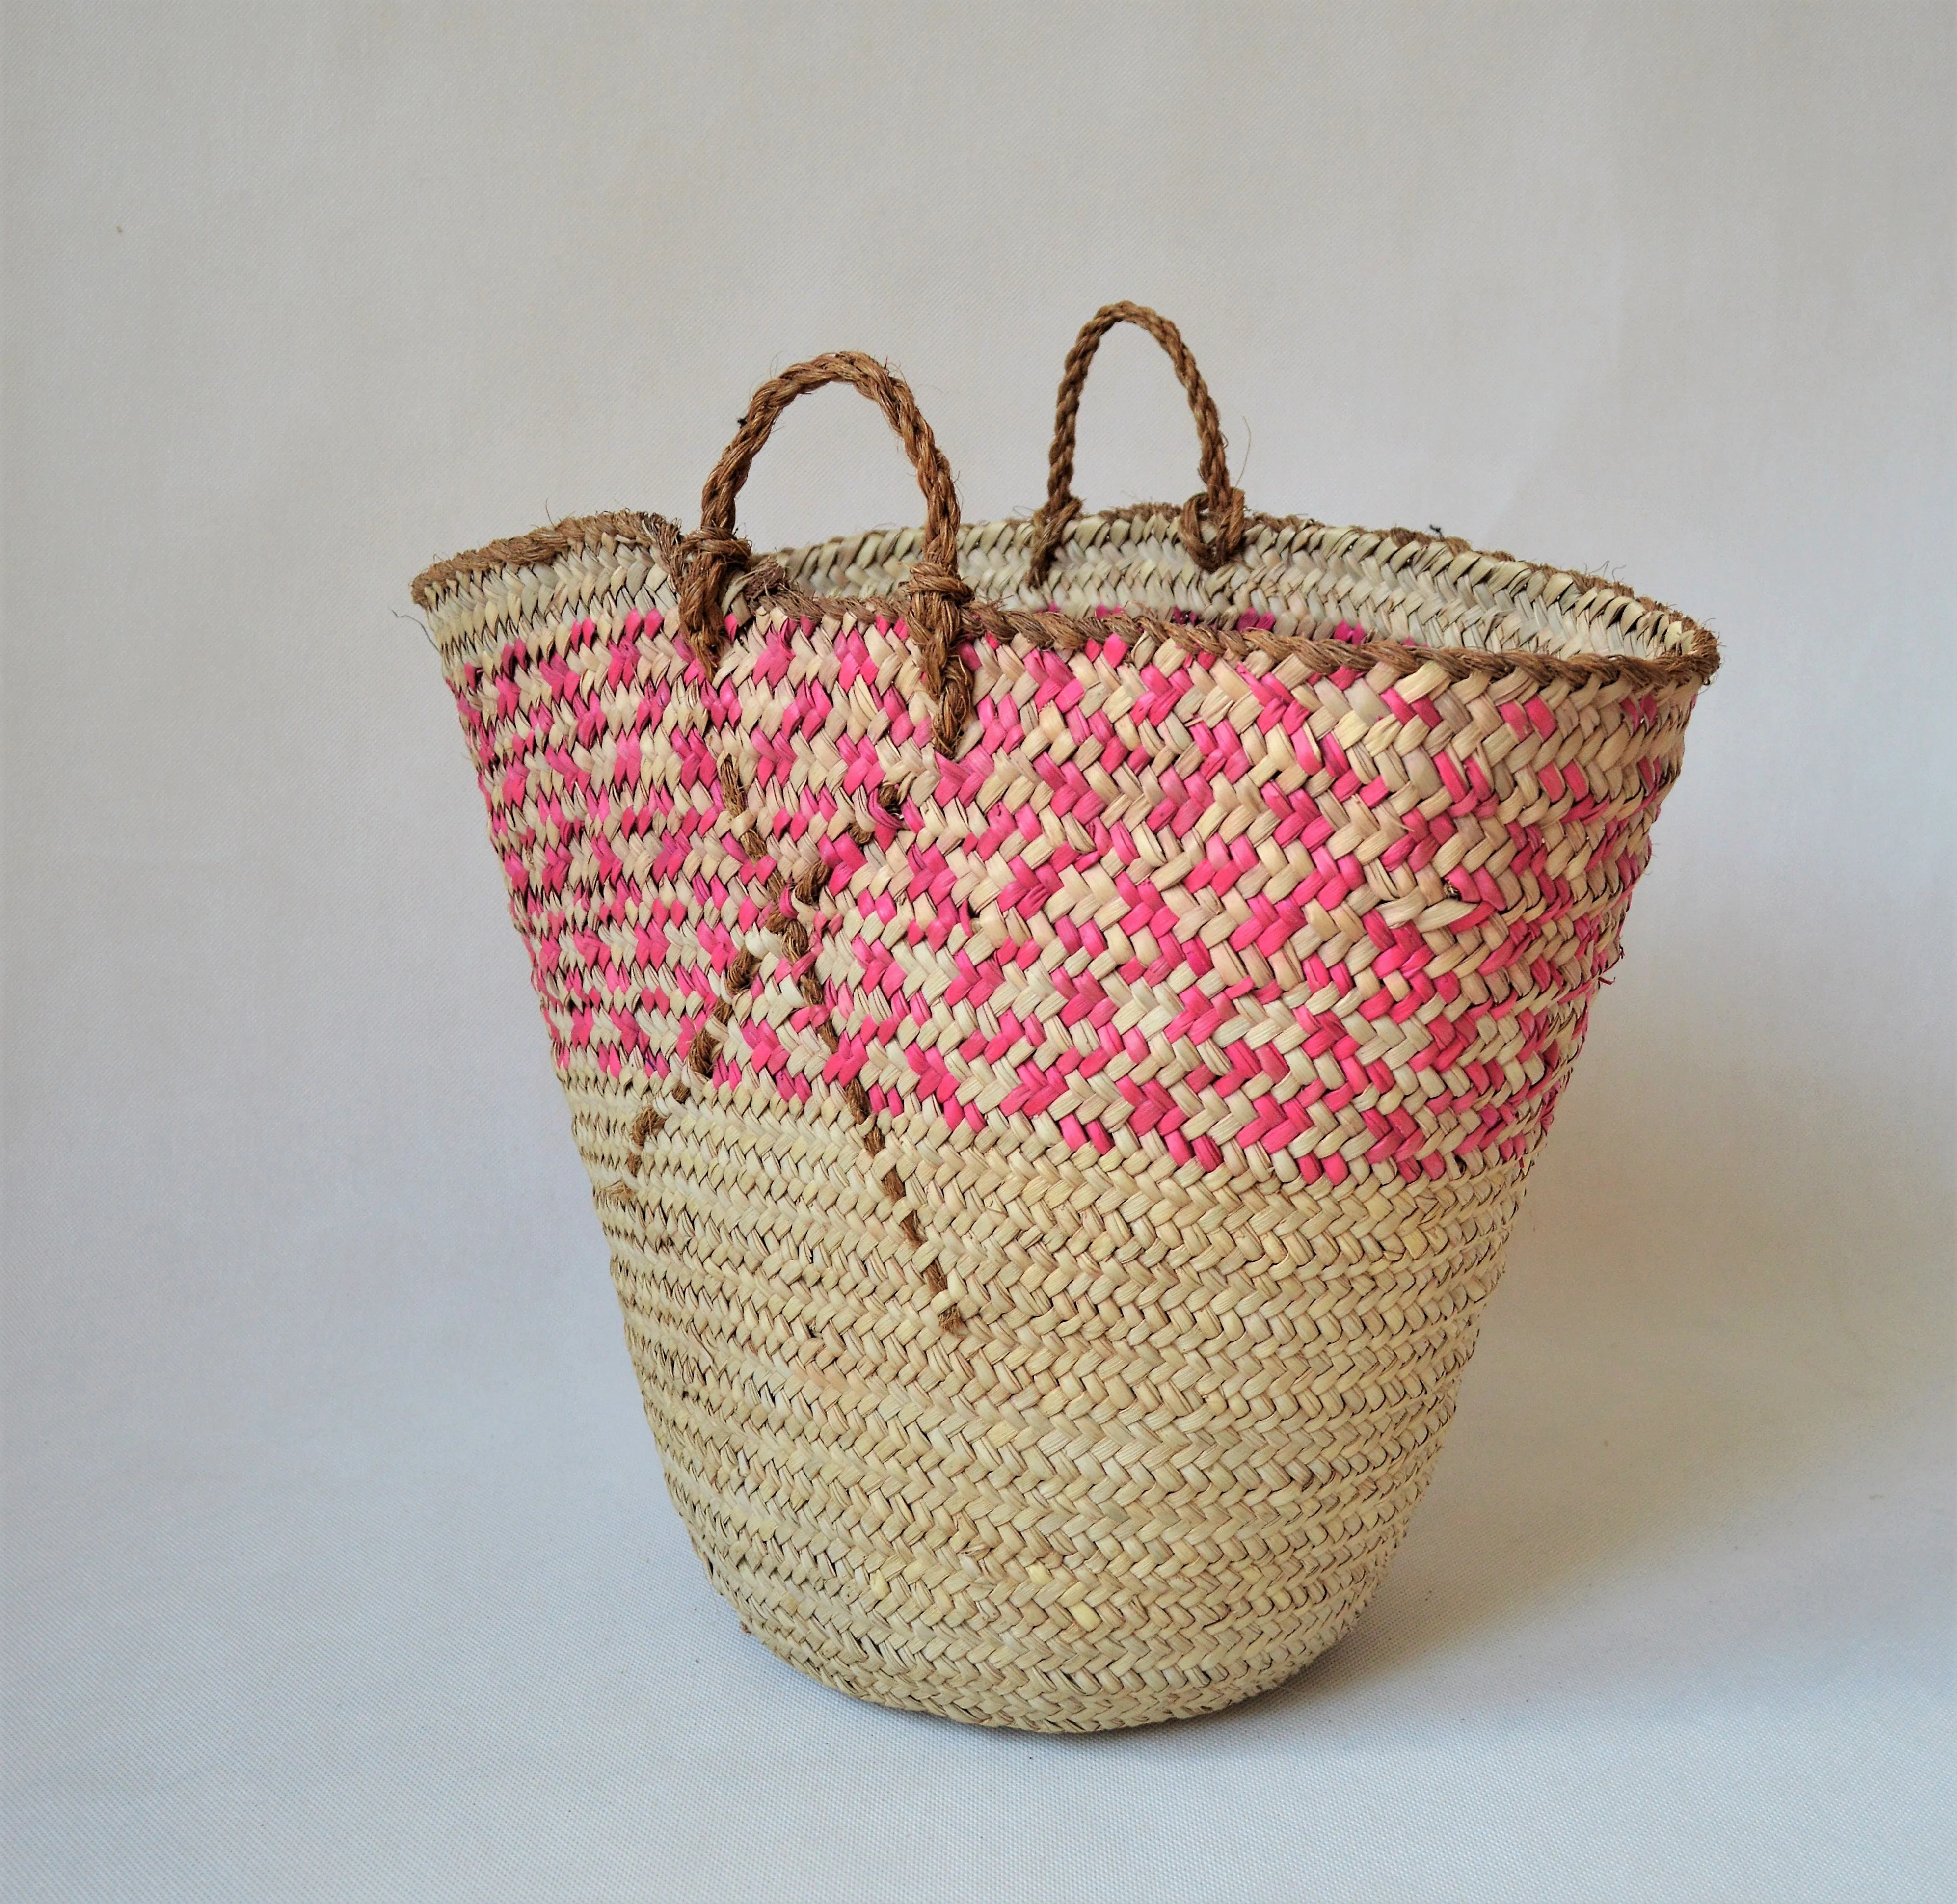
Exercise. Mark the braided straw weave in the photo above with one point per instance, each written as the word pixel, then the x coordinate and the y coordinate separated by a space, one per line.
pixel 1057 1015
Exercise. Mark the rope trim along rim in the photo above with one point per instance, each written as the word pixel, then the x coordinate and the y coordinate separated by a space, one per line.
pixel 1698 662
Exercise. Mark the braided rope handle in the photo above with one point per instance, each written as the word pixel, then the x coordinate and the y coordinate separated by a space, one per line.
pixel 1224 505
pixel 712 555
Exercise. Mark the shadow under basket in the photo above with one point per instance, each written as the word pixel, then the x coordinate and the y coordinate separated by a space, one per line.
pixel 1058 1059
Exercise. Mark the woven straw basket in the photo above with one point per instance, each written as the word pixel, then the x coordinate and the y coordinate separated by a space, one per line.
pixel 1057 1017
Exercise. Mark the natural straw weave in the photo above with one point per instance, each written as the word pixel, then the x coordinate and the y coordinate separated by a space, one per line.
pixel 1058 1062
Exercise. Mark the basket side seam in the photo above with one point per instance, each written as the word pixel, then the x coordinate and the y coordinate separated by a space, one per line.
pixel 742 976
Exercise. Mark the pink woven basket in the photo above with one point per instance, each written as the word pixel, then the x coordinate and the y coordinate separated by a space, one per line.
pixel 1057 1015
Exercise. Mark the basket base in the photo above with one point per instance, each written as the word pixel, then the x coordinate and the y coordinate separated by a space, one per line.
pixel 1030 1697
pixel 1159 1464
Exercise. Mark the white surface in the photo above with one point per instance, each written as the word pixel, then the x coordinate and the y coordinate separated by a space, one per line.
pixel 336 1560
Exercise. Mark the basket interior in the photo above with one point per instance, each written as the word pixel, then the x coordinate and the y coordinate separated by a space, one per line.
pixel 1293 576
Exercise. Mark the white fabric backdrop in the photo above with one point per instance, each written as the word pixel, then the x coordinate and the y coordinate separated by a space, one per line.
pixel 337 1563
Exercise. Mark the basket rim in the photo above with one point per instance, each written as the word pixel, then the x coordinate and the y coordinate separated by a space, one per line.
pixel 1573 591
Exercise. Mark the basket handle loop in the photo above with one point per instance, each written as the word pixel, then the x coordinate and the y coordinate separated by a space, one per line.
pixel 1224 505
pixel 712 555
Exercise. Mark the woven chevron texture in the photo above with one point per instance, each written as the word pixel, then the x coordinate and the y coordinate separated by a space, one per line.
pixel 1054 1170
